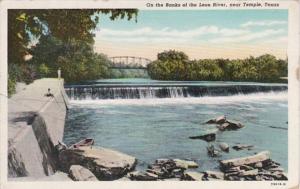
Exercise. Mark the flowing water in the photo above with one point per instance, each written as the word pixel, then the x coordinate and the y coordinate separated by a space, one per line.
pixel 151 119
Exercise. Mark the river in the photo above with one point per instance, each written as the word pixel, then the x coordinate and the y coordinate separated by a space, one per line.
pixel 154 119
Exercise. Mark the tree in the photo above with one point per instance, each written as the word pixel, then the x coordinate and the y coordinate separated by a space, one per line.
pixel 174 65
pixel 76 59
pixel 172 55
pixel 66 25
pixel 24 25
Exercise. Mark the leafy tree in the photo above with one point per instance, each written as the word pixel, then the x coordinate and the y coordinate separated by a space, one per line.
pixel 65 25
pixel 174 65
pixel 172 55
pixel 76 60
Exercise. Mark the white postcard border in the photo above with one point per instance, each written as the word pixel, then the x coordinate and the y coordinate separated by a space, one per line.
pixel 293 98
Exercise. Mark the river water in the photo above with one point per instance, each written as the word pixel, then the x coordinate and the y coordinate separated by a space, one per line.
pixel 158 122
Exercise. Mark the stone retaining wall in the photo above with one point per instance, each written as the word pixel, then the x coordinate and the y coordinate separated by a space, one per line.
pixel 35 125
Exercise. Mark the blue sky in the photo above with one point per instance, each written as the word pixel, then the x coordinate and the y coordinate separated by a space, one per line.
pixel 199 33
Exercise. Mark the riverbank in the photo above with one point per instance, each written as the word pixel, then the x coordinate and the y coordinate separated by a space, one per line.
pixel 36 121
pixel 35 125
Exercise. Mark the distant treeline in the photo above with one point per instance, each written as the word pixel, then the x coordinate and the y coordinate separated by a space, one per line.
pixel 128 73
pixel 175 65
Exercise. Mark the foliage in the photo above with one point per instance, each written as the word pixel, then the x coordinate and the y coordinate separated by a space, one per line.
pixel 66 25
pixel 174 65
pixel 76 60
pixel 128 73
pixel 172 55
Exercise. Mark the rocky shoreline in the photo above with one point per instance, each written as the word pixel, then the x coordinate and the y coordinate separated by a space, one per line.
pixel 100 164
pixel 91 163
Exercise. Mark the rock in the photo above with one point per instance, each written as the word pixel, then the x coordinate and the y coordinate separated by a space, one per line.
pixel 161 161
pixel 185 163
pixel 270 165
pixel 277 169
pixel 207 137
pixel 283 176
pixel 157 171
pixel 246 168
pixel 125 178
pixel 212 179
pixel 218 120
pixel 212 152
pixel 191 175
pixel 242 147
pixel 230 125
pixel 224 147
pixel 258 165
pixel 104 163
pixel 273 176
pixel 60 147
pixel 170 168
pixel 79 173
pixel 233 170
pixel 214 175
pixel 171 179
pixel 260 157
pixel 258 178
pixel 223 126
pixel 178 173
pixel 142 176
pixel 253 172
pixel 233 178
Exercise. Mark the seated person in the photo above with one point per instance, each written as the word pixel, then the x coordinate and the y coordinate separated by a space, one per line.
pixel 49 94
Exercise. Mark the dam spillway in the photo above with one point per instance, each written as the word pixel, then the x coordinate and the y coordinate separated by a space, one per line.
pixel 165 89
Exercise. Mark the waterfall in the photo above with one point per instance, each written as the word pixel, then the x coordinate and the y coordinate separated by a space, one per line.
pixel 86 92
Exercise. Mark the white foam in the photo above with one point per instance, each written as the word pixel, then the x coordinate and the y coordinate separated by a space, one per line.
pixel 255 97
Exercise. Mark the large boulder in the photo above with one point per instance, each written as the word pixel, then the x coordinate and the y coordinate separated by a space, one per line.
pixel 259 157
pixel 105 164
pixel 79 173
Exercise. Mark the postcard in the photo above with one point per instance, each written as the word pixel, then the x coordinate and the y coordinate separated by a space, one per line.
pixel 164 94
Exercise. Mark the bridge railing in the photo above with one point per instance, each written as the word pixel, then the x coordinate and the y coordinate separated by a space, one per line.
pixel 130 61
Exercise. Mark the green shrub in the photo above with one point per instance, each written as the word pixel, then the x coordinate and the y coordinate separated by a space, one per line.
pixel 11 86
pixel 43 70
